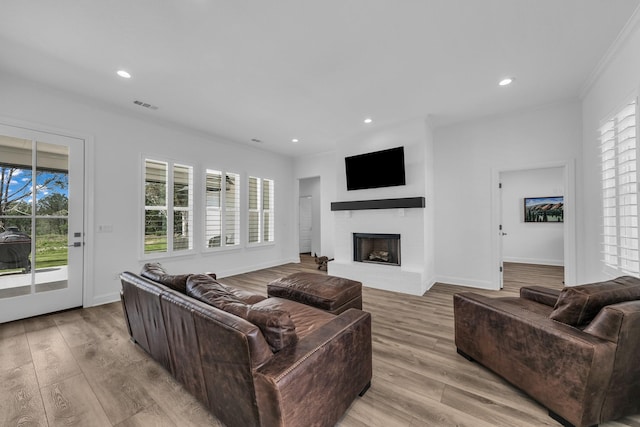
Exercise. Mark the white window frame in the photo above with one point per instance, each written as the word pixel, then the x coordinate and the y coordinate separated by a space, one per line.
pixel 170 208
pixel 223 211
pixel 262 211
pixel 620 182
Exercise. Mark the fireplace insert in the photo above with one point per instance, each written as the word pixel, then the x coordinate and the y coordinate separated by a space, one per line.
pixel 376 248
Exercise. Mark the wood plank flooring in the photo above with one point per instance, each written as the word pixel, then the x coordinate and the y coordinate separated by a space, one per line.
pixel 78 368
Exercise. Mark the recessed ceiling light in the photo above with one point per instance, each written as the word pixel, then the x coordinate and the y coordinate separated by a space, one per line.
pixel 506 81
pixel 368 120
pixel 294 140
pixel 124 74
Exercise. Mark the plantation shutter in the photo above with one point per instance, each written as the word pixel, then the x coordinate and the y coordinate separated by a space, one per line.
pixel 155 206
pixel 232 209
pixel 618 146
pixel 254 210
pixel 267 210
pixel 168 207
pixel 182 207
pixel 213 220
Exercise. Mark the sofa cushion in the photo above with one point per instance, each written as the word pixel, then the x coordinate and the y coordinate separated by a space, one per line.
pixel 206 289
pixel 306 318
pixel 154 271
pixel 276 325
pixel 246 297
pixel 578 305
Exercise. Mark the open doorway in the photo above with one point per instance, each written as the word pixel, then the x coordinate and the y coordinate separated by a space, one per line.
pixel 306 224
pixel 530 237
pixel 309 216
pixel 532 223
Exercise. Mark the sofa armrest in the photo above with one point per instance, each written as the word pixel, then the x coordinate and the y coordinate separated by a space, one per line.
pixel 620 323
pixel 319 377
pixel 546 296
pixel 560 366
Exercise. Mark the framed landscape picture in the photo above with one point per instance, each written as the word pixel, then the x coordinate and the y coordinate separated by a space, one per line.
pixel 544 209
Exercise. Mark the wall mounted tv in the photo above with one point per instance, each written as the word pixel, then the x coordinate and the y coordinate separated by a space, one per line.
pixel 375 170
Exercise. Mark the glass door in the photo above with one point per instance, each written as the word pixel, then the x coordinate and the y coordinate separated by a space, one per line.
pixel 41 222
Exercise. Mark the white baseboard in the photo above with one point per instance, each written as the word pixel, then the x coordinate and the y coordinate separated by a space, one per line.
pixel 104 299
pixel 463 281
pixel 538 261
pixel 428 285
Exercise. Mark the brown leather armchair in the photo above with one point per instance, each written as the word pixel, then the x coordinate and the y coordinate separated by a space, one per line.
pixel 574 351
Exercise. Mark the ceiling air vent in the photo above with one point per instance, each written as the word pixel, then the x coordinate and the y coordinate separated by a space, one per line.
pixel 145 105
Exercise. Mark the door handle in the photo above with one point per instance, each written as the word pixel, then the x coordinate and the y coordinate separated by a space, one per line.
pixel 76 245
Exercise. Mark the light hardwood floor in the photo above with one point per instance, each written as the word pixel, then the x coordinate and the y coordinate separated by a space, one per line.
pixel 78 368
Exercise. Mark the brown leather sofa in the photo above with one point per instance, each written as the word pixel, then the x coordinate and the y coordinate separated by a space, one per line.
pixel 253 361
pixel 574 351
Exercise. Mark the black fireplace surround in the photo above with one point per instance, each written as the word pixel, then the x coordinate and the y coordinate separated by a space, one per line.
pixel 376 248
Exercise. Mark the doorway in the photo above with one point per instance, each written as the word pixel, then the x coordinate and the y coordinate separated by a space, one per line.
pixel 41 222
pixel 518 241
pixel 306 224
pixel 309 216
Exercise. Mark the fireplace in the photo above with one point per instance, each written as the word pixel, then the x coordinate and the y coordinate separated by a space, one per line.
pixel 376 248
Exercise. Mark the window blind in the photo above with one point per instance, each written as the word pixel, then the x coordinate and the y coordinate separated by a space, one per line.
pixel 168 211
pixel 618 146
pixel 254 209
pixel 222 213
pixel 155 209
pixel 182 207
pixel 267 210
pixel 261 210
pixel 213 219
pixel 232 209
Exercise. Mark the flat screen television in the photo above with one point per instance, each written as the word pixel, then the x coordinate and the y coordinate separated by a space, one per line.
pixel 375 170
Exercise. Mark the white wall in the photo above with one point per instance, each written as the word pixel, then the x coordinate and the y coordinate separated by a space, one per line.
pixel 465 156
pixel 531 242
pixel 617 82
pixel 311 187
pixel 119 141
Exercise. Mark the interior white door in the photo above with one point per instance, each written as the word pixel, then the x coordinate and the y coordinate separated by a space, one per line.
pixel 306 221
pixel 41 222
pixel 501 234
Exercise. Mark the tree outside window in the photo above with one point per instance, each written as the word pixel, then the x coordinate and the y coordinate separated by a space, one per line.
pixel 51 204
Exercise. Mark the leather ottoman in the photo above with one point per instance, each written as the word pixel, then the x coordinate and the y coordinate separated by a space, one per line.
pixel 328 293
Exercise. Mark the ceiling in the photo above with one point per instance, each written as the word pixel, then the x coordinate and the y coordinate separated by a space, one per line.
pixel 312 70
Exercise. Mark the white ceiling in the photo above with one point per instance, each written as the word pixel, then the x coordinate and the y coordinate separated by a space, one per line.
pixel 312 70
